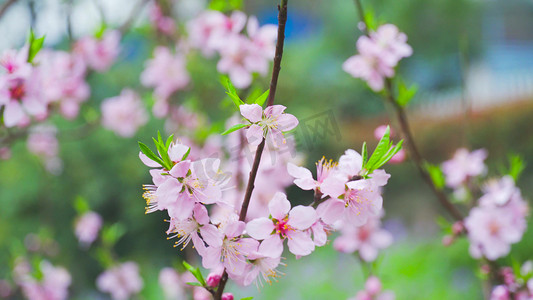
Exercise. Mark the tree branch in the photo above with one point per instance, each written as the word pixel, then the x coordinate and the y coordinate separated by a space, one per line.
pixel 5 6
pixel 282 20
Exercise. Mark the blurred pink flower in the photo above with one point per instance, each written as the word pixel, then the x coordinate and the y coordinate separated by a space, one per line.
pixel 227 296
pixel 124 114
pixel 20 91
pixel 378 54
pixel 87 227
pixel 200 30
pixel 463 166
pixel 500 292
pixel 64 81
pixel 263 38
pixel 121 281
pixel 166 72
pixel 367 239
pixel 5 153
pixel 99 54
pixel 373 291
pixel 286 223
pixel 162 23
pixel 492 230
pixel 52 286
pixel 42 142
pixel 172 284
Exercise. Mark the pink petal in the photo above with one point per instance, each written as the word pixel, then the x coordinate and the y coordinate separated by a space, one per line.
pixel 234 229
pixel 183 208
pixel 274 110
pixel 300 243
pixel 148 162
pixel 333 186
pixel 271 247
pixel 211 257
pixel 286 122
pixel 167 193
pixel 254 134
pixel 320 236
pixel 260 228
pixel 331 211
pixel 304 178
pixel 180 169
pixel 211 235
pixel 252 112
pixel 279 206
pixel 13 114
pixel 302 217
pixel 200 214
pixel 177 151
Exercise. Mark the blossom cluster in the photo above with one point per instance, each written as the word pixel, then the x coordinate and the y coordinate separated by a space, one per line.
pixel 240 55
pixel 52 284
pixel 30 87
pixel 379 53
pixel 516 284
pixel 373 291
pixel 498 218
pixel 203 206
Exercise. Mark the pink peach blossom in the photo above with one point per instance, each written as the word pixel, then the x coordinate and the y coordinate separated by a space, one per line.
pixel 87 227
pixel 121 281
pixel 124 114
pixel 286 223
pixel 99 54
pixel 463 166
pixel 270 123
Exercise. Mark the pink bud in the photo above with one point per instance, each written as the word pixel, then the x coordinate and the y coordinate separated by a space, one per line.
pixel 373 285
pixel 485 269
pixel 379 132
pixel 457 227
pixel 213 279
pixel 398 157
pixel 227 296
pixel 447 240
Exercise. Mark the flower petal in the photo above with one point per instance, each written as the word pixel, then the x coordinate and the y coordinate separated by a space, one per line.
pixel 286 122
pixel 300 243
pixel 252 112
pixel 271 247
pixel 254 134
pixel 260 228
pixel 279 206
pixel 302 217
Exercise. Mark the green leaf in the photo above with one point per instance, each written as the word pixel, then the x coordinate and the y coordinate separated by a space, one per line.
pixel 163 151
pixel 516 166
pixel 196 272
pixel 186 154
pixel 364 153
pixel 247 298
pixel 231 91
pixel 234 128
pixel 148 152
pixel 261 99
pixel 111 234
pixel 405 94
pixel 392 151
pixel 381 149
pixel 169 140
pixel 80 205
pixel 436 174
pixel 194 284
pixel 35 45
pixel 371 20
pixel 226 5
pixel 101 30
pixel 444 224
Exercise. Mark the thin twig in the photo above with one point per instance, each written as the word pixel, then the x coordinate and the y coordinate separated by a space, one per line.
pixel 5 6
pixel 133 16
pixel 408 137
pixel 282 20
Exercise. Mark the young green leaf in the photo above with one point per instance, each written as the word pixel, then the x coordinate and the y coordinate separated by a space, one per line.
pixel 234 128
pixel 436 175
pixel 196 272
pixel 232 92
pixel 169 140
pixel 35 45
pixel 405 94
pixel 111 234
pixel 516 166
pixel 80 205
pixel 186 154
pixel 247 298
pixel 364 153
pixel 392 151
pixel 261 99
pixel 160 145
pixel 194 284
pixel 381 149
pixel 148 152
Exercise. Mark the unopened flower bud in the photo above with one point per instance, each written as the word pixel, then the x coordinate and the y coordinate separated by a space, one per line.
pixel 457 227
pixel 227 296
pixel 213 279
pixel 373 286
pixel 447 240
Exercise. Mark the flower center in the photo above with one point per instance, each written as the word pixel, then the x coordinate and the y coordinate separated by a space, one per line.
pixel 282 227
pixel 17 91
